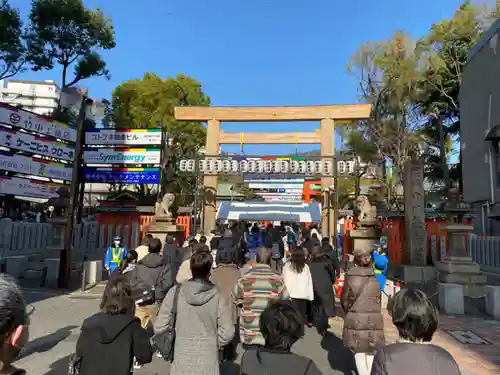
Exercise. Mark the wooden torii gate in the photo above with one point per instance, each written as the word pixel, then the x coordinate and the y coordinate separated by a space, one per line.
pixel 327 116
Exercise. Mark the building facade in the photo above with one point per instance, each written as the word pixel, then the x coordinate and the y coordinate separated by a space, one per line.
pixel 480 131
pixel 43 97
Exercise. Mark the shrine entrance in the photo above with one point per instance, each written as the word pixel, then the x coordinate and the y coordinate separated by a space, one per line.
pixel 327 116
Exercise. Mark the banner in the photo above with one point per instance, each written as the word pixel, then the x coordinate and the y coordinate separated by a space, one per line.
pixel 33 166
pixel 28 188
pixel 37 145
pixel 125 137
pixel 122 175
pixel 123 156
pixel 22 119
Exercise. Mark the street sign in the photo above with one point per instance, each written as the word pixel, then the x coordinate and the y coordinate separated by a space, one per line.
pixel 28 188
pixel 122 175
pixel 123 137
pixel 34 166
pixel 122 156
pixel 19 118
pixel 18 140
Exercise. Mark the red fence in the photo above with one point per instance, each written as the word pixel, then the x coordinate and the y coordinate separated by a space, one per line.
pixel 394 229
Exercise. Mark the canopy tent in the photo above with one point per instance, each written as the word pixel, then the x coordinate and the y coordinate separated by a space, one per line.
pixel 270 211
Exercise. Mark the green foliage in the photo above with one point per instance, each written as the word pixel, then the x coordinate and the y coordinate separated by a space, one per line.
pixel 67 33
pixel 443 55
pixel 389 76
pixel 414 87
pixel 149 103
pixel 12 49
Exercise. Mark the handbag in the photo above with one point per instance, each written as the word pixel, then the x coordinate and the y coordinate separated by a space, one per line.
pixel 74 365
pixel 148 296
pixel 164 341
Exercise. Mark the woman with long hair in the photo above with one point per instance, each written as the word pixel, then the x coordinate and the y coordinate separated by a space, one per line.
pixel 298 280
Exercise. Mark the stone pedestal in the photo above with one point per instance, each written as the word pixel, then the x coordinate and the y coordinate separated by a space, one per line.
pixel 451 298
pixel 418 274
pixel 93 271
pixel 493 301
pixel 52 275
pixel 363 238
pixel 458 267
pixel 16 265
pixel 164 225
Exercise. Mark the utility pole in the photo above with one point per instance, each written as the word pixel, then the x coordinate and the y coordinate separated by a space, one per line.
pixel 65 255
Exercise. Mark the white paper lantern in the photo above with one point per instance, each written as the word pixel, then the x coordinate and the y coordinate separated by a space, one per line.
pixel 191 166
pixel 252 166
pixel 235 166
pixel 183 165
pixel 302 167
pixel 244 166
pixel 226 166
pixel 294 166
pixel 310 167
pixel 284 166
pixel 202 166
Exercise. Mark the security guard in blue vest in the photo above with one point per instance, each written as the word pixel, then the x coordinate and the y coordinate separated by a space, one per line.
pixel 380 264
pixel 115 255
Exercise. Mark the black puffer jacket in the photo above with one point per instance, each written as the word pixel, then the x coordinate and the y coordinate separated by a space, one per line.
pixel 151 271
pixel 109 343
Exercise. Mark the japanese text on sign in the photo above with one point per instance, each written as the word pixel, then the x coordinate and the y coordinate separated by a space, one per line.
pixel 29 143
pixel 20 118
pixel 123 137
pixel 128 177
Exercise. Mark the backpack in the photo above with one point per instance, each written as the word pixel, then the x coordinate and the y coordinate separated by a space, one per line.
pixel 275 251
pixel 291 238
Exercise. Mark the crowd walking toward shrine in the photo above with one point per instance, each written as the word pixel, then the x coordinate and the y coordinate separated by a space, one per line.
pixel 258 287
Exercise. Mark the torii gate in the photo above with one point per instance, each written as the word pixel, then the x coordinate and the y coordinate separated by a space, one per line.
pixel 327 116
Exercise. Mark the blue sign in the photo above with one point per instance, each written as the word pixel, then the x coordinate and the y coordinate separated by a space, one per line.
pixel 281 190
pixel 122 175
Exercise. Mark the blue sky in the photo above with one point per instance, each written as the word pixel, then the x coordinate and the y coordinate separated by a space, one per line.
pixel 253 52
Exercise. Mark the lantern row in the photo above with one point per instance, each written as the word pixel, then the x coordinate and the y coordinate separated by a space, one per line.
pixel 227 166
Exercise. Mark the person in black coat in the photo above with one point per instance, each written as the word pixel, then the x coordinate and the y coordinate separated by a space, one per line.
pixel 172 254
pixel 151 274
pixel 323 277
pixel 281 325
pixel 110 339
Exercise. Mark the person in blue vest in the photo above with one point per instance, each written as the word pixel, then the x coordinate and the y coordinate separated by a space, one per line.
pixel 380 264
pixel 115 255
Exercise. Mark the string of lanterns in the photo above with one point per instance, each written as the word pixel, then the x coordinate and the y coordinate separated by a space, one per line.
pixel 228 166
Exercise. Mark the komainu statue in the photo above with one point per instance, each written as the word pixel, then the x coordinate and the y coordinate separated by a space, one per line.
pixel 365 211
pixel 163 207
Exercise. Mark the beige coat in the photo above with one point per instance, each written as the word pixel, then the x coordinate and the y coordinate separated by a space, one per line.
pixel 184 273
pixel 142 251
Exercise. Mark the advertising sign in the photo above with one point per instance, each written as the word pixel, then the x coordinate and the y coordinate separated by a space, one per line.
pixel 122 175
pixel 28 188
pixel 37 145
pixel 22 119
pixel 122 156
pixel 125 137
pixel 33 166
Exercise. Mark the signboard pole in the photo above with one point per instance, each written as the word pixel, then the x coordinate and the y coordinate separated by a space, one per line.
pixel 335 205
pixel 65 255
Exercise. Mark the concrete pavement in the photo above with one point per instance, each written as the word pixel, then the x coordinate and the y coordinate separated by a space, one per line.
pixel 55 322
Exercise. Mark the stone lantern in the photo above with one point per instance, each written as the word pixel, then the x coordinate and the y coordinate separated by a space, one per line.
pixel 367 231
pixel 458 267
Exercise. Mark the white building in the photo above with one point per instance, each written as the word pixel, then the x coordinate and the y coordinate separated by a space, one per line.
pixel 42 97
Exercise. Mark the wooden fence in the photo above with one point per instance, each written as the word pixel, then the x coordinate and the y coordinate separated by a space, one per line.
pixel 91 240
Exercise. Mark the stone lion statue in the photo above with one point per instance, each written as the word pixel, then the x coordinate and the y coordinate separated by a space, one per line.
pixel 163 208
pixel 365 211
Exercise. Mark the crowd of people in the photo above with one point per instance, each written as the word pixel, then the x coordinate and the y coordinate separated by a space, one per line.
pixel 251 296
